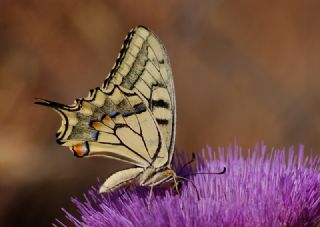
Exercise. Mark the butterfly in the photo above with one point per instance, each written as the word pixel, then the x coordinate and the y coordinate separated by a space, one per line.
pixel 131 117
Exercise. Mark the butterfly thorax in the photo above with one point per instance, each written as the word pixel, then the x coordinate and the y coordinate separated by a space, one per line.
pixel 157 176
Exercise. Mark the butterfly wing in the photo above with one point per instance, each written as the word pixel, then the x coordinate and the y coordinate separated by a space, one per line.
pixel 131 117
pixel 114 123
pixel 143 66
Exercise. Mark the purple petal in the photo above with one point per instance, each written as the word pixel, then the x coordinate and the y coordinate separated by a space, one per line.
pixel 267 188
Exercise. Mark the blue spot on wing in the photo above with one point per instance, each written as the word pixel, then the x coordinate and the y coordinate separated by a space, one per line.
pixel 126 114
pixel 113 113
pixel 140 108
pixel 101 117
pixel 94 135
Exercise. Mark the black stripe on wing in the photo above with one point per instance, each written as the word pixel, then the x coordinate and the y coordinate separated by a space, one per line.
pixel 160 103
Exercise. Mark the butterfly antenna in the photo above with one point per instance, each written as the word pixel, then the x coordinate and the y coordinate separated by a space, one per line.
pixel 193 184
pixel 192 174
pixel 188 163
pixel 221 172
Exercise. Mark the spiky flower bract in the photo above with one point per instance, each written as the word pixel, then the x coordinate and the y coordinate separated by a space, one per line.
pixel 265 188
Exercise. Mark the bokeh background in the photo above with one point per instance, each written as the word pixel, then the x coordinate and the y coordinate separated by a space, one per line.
pixel 246 69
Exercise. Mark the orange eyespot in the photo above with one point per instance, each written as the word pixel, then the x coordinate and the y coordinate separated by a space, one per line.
pixel 81 149
pixel 96 125
pixel 106 120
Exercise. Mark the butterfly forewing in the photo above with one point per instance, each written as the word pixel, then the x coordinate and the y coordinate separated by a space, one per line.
pixel 143 66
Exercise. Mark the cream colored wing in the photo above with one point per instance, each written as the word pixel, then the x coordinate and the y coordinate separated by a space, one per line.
pixel 120 179
pixel 113 122
pixel 143 67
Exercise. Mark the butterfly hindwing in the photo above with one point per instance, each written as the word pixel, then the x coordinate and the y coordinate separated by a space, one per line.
pixel 113 123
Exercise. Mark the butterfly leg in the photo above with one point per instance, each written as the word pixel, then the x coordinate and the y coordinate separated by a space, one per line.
pixel 176 185
pixel 150 196
pixel 120 179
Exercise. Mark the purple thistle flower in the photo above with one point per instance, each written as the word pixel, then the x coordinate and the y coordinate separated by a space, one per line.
pixel 265 189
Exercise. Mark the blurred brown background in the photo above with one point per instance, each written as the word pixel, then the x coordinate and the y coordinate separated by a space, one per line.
pixel 246 68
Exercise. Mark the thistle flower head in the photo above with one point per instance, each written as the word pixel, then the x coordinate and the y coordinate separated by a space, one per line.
pixel 276 188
